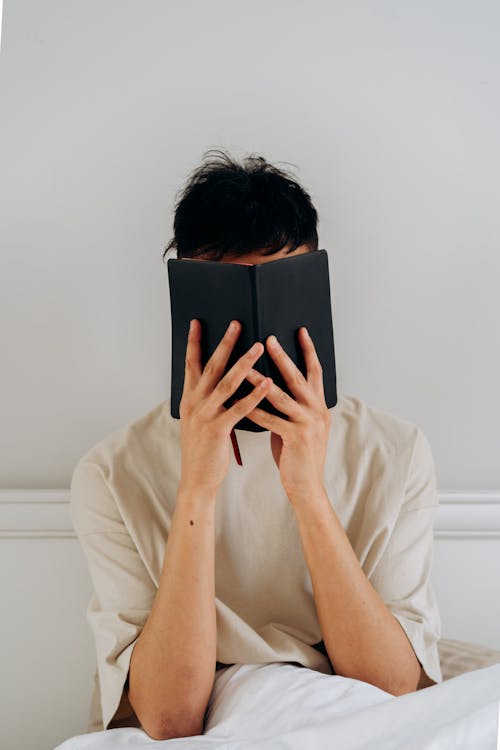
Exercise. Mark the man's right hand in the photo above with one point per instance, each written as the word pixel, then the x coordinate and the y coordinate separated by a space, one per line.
pixel 205 423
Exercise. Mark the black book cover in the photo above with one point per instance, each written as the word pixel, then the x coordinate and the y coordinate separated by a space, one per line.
pixel 275 297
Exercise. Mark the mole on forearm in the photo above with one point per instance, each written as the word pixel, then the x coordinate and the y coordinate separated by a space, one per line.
pixel 191 522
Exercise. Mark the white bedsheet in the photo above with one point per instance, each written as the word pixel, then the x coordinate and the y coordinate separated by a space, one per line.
pixel 279 705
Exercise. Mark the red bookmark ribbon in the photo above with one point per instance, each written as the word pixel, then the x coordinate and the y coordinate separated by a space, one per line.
pixel 236 449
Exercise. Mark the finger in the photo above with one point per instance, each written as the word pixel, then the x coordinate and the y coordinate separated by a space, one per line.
pixel 216 364
pixel 241 407
pixel 271 422
pixel 313 365
pixel 291 373
pixel 192 362
pixel 226 387
pixel 278 398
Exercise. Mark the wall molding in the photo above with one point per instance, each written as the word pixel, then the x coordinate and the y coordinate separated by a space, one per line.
pixel 463 515
pixel 35 514
pixel 45 514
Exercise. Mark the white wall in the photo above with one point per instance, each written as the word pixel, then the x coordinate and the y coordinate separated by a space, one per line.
pixel 390 111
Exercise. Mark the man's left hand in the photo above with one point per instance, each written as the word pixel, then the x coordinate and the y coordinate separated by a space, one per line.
pixel 298 443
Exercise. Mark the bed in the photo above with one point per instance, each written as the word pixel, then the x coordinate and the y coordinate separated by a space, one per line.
pixel 280 705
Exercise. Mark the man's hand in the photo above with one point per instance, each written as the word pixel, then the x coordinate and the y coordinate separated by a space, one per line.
pixel 298 443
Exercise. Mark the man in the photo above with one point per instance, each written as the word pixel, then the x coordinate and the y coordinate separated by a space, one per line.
pixel 317 551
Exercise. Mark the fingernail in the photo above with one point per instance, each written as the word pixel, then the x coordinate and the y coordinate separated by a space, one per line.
pixel 255 348
pixel 191 325
pixel 273 341
pixel 306 332
pixel 233 325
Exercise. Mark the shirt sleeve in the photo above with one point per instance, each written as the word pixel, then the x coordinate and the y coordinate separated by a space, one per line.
pixel 402 575
pixel 123 590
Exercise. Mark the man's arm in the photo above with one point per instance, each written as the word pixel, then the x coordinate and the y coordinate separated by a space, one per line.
pixel 362 637
pixel 425 680
pixel 172 667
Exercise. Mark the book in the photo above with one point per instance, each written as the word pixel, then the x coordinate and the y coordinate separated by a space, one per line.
pixel 275 297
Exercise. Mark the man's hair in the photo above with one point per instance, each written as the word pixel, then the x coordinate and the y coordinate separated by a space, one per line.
pixel 234 208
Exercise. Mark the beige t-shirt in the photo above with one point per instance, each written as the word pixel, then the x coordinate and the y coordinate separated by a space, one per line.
pixel 380 478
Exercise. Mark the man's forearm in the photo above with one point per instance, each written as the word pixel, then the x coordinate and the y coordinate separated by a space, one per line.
pixel 172 667
pixel 362 637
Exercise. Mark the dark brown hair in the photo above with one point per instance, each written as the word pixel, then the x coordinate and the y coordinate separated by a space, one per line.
pixel 233 208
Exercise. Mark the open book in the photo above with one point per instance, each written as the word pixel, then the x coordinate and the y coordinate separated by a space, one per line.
pixel 275 297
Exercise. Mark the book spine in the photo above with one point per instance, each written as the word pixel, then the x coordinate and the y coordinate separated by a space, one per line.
pixel 255 279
